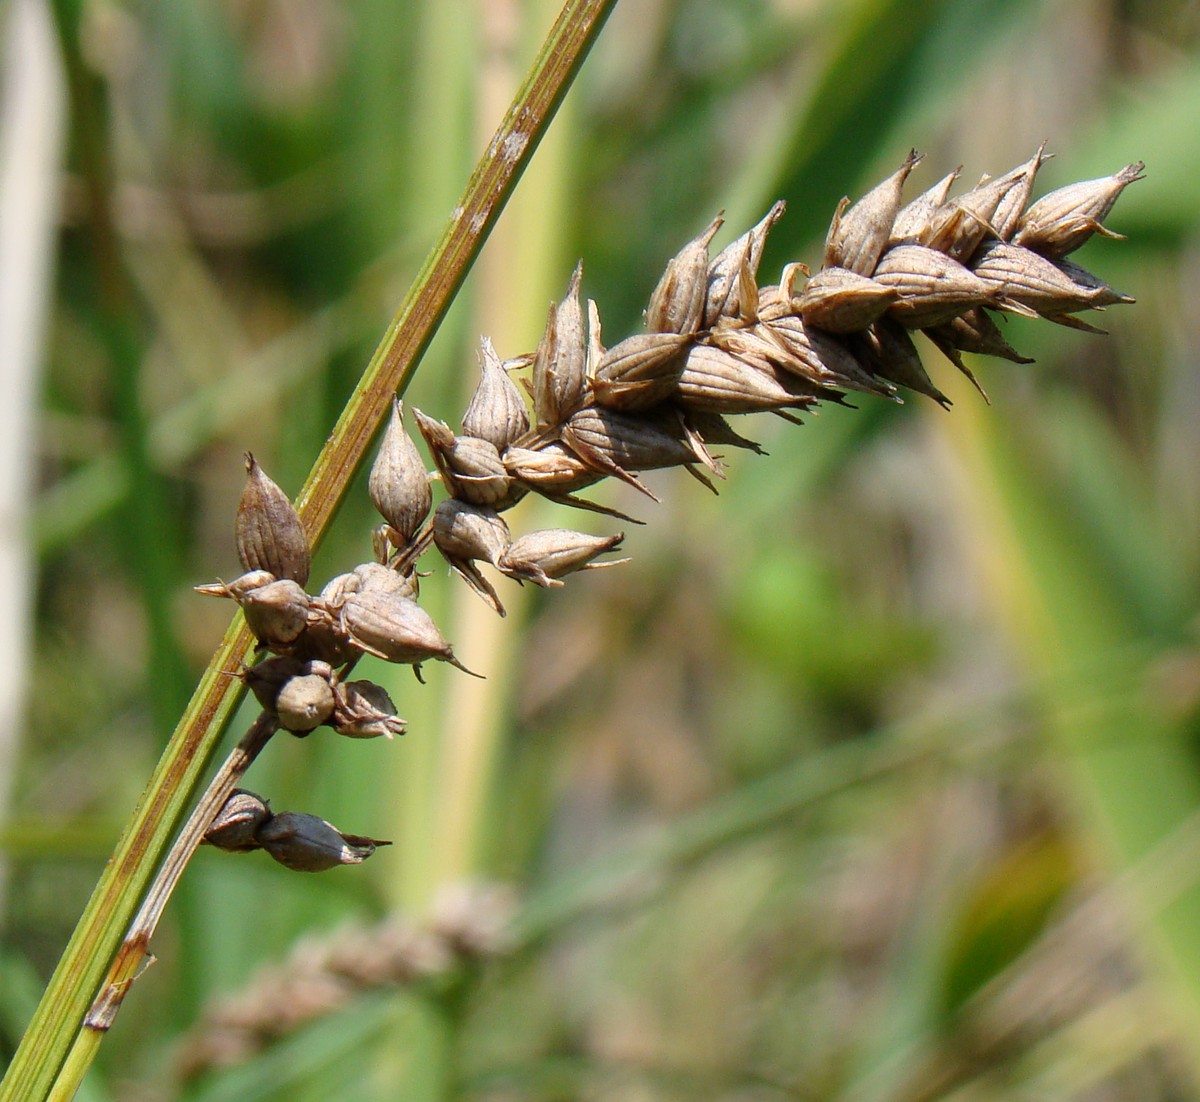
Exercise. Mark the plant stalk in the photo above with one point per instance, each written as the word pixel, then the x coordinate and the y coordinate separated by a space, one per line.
pixel 48 1040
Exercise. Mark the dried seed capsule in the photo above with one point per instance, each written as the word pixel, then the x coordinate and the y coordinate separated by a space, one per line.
pixel 1023 276
pixel 277 613
pixel 569 376
pixel 974 331
pixel 1058 223
pixel 471 468
pixel 235 827
pixel 463 531
pixel 364 710
pixel 552 468
pixel 546 556
pixel 823 359
pixel 1007 215
pixel 268 529
pixel 677 304
pixel 304 703
pixel 958 227
pixel 497 411
pixel 887 350
pixel 841 301
pixel 373 575
pixel 625 441
pixel 399 485
pixel 933 288
pixel 305 843
pixel 394 628
pixel 479 473
pixel 859 235
pixel 640 371
pixel 714 381
pixel 545 409
pixel 737 262
pixel 913 219
pixel 264 679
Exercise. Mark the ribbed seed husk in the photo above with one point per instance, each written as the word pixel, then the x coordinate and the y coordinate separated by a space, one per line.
pixel 563 382
pixel 913 219
pixel 306 843
pixel 268 532
pixel 677 303
pixel 399 484
pixel 465 531
pixel 304 703
pixel 841 301
pixel 235 827
pixel 479 474
pixel 1007 215
pixel 277 613
pixel 1023 276
pixel 824 359
pixel 545 556
pixel 552 468
pixel 859 234
pixel 933 288
pixel 364 710
pixel 975 331
pixel 639 372
pixel 959 226
pixel 631 443
pixel 888 351
pixel 392 627
pixel 715 381
pixel 1059 223
pixel 497 411
pixel 733 265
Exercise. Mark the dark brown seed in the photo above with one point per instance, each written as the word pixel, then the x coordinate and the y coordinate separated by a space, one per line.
pixel 305 843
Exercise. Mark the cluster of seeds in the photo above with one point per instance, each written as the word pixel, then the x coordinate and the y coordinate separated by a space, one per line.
pixel 716 343
pixel 466 924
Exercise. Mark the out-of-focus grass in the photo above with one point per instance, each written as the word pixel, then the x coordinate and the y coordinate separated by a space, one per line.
pixel 1001 598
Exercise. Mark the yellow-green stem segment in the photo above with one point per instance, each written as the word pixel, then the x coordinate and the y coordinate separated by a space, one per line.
pixel 40 1065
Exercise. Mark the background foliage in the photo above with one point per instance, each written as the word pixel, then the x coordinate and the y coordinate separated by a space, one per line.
pixel 874 778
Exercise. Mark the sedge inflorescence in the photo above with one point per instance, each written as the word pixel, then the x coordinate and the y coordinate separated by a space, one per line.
pixel 716 344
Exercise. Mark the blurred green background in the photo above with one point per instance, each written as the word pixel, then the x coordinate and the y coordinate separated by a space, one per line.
pixel 875 778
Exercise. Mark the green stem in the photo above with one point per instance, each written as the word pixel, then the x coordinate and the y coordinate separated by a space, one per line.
pixel 35 1068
